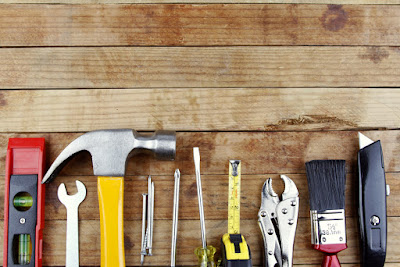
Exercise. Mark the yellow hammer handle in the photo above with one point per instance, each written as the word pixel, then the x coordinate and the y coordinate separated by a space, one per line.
pixel 111 204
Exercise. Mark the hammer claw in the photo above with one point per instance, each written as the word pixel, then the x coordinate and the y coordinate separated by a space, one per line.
pixel 110 150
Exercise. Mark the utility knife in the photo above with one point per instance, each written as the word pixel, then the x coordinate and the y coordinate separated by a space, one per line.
pixel 372 202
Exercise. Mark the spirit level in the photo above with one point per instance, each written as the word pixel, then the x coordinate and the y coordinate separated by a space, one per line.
pixel 24 202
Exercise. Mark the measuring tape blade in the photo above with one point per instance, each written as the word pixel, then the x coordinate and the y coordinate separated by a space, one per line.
pixel 234 197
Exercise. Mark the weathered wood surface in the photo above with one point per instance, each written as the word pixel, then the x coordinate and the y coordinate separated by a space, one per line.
pixel 261 152
pixel 272 85
pixel 199 25
pixel 293 149
pixel 337 2
pixel 138 67
pixel 215 194
pixel 200 109
pixel 189 238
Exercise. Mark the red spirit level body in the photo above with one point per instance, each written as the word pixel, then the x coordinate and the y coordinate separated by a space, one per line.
pixel 24 202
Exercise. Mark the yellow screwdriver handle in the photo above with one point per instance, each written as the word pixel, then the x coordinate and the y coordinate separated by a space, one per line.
pixel 111 204
pixel 205 256
pixel 201 254
pixel 210 256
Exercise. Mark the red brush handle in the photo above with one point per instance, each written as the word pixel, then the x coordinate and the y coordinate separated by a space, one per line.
pixel 331 260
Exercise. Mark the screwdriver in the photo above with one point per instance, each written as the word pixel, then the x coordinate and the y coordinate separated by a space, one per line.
pixel 234 249
pixel 204 253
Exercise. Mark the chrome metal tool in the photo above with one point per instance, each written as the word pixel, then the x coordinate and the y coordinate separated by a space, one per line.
pixel 196 158
pixel 177 176
pixel 110 150
pixel 204 253
pixel 278 221
pixel 147 218
pixel 72 202
pixel 143 251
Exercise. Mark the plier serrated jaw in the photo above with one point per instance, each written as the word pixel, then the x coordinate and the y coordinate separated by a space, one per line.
pixel 278 221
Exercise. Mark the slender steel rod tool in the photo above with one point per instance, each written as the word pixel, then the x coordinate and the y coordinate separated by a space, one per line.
pixel 147 221
pixel 151 220
pixel 144 214
pixel 175 216
pixel 196 158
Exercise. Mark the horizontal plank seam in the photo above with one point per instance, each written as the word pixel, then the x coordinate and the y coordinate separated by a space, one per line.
pixel 210 174
pixel 217 2
pixel 356 129
pixel 200 88
pixel 189 46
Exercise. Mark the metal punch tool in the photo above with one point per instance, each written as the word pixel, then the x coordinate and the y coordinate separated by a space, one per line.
pixel 146 248
pixel 278 221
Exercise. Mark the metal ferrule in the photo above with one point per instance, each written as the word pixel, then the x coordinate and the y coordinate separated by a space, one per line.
pixel 328 227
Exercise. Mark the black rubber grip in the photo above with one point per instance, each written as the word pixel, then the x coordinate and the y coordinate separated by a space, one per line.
pixel 372 205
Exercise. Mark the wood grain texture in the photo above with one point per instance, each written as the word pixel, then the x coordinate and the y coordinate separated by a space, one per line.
pixel 189 238
pixel 200 109
pixel 198 25
pixel 79 2
pixel 274 85
pixel 261 152
pixel 163 67
pixel 215 194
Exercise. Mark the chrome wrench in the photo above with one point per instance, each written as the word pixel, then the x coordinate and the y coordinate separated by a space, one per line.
pixel 72 202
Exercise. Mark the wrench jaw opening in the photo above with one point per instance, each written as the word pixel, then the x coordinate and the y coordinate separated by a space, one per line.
pixel 68 199
pixel 71 203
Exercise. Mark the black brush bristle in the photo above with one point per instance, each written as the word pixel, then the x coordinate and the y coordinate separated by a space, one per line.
pixel 326 184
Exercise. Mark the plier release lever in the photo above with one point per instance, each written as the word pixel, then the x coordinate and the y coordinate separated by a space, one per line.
pixel 278 221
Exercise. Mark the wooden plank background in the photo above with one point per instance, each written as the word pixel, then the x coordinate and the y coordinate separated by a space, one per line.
pixel 274 83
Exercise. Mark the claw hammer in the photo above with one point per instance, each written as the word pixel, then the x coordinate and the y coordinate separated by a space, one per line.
pixel 110 150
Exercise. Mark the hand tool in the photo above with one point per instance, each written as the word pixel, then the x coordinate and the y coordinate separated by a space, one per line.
pixel 147 216
pixel 143 250
pixel 278 222
pixel 24 202
pixel 110 150
pixel 234 248
pixel 204 253
pixel 372 202
pixel 326 186
pixel 151 220
pixel 177 176
pixel 71 203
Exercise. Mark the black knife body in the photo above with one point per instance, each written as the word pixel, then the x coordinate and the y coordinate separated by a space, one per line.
pixel 372 205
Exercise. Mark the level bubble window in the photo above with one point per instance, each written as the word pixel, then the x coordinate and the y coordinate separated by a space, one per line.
pixel 22 249
pixel 23 201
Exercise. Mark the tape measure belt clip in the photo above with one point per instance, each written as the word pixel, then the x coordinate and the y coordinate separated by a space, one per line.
pixel 236 239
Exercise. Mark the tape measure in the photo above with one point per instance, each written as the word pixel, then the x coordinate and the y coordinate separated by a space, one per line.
pixel 234 197
pixel 234 249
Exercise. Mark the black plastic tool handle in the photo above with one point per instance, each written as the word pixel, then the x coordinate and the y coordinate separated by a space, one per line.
pixel 372 205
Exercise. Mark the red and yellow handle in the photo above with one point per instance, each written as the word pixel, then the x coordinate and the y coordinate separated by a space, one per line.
pixel 111 204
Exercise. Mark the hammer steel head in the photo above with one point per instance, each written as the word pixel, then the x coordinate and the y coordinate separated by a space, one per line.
pixel 110 150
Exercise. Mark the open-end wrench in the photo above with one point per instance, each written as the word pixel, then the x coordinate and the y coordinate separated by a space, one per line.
pixel 71 202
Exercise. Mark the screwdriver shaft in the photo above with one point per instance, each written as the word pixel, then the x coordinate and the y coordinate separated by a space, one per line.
pixel 196 158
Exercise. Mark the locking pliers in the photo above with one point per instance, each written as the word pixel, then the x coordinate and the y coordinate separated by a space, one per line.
pixel 278 221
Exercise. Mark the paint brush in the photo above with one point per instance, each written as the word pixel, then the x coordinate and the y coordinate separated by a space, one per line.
pixel 326 185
